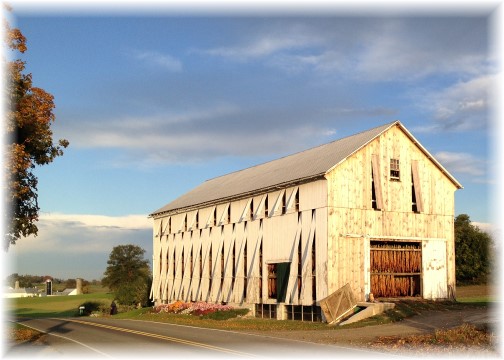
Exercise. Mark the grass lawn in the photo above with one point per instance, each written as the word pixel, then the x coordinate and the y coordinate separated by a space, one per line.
pixel 476 294
pixel 53 306
pixel 61 306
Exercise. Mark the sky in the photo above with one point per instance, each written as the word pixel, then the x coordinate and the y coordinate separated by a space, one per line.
pixel 155 100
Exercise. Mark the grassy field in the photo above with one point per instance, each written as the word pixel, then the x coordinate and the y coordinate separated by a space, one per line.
pixel 53 306
pixel 476 293
pixel 60 306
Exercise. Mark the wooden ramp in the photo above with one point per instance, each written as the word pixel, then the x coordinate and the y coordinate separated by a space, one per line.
pixel 338 304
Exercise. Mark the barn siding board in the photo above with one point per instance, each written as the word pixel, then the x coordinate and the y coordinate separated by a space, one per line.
pixel 334 214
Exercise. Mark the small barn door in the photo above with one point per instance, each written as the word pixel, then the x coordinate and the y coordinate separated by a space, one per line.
pixel 278 277
pixel 396 268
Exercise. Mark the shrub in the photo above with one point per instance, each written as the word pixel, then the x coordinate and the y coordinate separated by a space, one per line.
pixel 90 307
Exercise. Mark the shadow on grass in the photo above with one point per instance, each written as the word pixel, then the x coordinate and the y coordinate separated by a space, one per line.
pixel 30 313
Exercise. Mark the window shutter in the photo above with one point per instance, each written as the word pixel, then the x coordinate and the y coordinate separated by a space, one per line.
pixel 416 185
pixel 377 181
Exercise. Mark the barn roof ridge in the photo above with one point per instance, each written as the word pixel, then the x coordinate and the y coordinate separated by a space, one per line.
pixel 306 165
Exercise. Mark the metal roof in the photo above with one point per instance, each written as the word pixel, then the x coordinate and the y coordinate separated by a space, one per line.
pixel 296 168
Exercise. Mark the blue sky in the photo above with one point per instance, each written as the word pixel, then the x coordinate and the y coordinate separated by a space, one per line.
pixel 153 104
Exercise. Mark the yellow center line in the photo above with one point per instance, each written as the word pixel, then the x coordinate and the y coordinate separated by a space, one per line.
pixel 162 337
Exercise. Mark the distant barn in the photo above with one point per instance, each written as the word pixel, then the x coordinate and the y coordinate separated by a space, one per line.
pixel 374 210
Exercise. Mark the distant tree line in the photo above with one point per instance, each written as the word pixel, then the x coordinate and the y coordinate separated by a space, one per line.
pixel 28 281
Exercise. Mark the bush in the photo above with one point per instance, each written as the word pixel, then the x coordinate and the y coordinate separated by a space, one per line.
pixel 90 307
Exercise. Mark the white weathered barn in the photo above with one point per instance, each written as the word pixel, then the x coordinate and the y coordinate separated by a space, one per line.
pixel 375 210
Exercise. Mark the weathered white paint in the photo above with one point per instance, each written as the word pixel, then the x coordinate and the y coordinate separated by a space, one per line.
pixel 434 272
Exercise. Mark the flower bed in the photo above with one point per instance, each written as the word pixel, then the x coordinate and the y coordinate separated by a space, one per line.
pixel 193 308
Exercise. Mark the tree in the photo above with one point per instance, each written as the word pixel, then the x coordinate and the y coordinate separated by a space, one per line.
pixel 28 142
pixel 128 275
pixel 472 251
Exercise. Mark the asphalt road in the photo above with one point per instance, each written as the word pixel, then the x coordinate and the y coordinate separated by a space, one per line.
pixel 111 338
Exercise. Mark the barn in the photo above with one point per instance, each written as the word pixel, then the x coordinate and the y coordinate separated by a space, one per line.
pixel 374 210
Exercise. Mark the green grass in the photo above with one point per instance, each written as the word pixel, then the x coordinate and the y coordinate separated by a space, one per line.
pixel 218 321
pixel 476 294
pixel 61 306
pixel 467 296
pixel 53 306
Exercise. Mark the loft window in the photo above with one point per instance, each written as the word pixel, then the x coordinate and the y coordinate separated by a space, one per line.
pixel 413 198
pixel 266 206
pixel 185 222
pixel 200 264
pixel 183 267
pixel 197 220
pixel 373 192
pixel 245 276
pixel 296 200
pixel 174 266
pixel 394 169
pixel 416 194
pixel 260 266
pixel 210 272
pixel 284 203
pixel 191 264
pixel 376 192
pixel 314 268
pixel 215 216
pixel 233 273
pixel 252 209
pixel 229 214
pixel 300 270
pixel 222 269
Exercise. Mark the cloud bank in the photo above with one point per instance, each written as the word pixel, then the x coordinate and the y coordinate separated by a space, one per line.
pixel 80 244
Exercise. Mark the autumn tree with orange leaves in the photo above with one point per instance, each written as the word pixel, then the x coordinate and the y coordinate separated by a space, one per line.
pixel 28 142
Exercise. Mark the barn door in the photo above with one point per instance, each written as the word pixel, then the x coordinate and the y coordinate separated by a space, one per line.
pixel 278 277
pixel 396 268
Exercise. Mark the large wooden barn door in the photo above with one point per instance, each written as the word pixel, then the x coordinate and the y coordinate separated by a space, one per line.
pixel 396 268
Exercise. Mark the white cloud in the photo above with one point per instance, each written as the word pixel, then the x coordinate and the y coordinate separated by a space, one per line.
pixel 165 61
pixel 493 230
pixel 268 43
pixel 366 49
pixel 84 234
pixel 463 106
pixel 148 132
pixel 129 222
pixel 75 245
pixel 199 134
pixel 395 53
pixel 462 163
